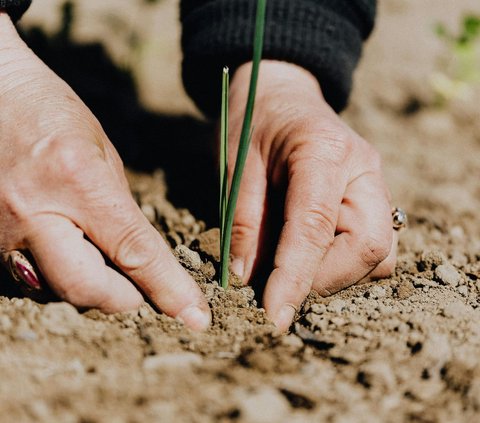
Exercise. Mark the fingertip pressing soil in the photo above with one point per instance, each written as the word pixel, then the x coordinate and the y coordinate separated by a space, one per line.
pixel 402 349
pixel 399 349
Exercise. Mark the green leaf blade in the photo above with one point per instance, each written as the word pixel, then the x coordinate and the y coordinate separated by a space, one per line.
pixel 224 152
pixel 245 139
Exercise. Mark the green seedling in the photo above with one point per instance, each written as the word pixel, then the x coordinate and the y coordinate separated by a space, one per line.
pixel 460 67
pixel 224 154
pixel 228 198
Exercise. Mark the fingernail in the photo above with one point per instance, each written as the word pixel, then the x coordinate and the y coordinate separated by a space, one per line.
pixel 27 276
pixel 195 318
pixel 238 267
pixel 284 317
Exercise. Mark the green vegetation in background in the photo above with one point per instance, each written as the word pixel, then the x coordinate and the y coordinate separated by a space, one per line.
pixel 460 66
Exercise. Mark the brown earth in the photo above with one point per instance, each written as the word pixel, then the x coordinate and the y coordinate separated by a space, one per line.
pixel 402 349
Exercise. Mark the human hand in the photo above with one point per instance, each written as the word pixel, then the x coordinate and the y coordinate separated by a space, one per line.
pixel 337 219
pixel 64 197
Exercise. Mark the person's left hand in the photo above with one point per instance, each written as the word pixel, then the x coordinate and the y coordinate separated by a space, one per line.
pixel 336 213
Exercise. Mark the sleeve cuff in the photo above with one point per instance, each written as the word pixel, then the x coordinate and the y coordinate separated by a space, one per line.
pixel 15 8
pixel 324 37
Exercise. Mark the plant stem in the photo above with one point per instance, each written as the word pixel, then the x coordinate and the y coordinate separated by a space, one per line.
pixel 245 139
pixel 224 154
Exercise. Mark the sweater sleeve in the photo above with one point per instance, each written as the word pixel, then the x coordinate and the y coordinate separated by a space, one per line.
pixel 15 8
pixel 323 36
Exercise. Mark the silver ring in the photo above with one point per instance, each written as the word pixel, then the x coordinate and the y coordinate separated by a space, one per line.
pixel 399 218
pixel 21 269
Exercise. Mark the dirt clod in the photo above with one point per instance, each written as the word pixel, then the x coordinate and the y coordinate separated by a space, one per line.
pixel 402 349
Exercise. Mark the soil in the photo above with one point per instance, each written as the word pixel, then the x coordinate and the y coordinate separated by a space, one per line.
pixel 403 349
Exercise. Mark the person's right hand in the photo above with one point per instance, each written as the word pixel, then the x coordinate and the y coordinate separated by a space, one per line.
pixel 64 197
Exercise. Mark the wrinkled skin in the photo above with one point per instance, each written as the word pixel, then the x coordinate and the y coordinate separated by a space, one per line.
pixel 336 221
pixel 64 197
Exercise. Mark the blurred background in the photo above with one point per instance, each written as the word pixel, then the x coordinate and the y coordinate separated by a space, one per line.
pixel 415 95
pixel 139 35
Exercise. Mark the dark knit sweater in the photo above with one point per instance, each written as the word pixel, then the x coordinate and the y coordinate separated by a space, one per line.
pixel 323 36
pixel 15 8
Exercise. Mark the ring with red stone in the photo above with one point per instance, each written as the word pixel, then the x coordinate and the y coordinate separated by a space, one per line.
pixel 21 269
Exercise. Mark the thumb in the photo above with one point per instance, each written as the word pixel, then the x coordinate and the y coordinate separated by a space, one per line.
pixel 248 219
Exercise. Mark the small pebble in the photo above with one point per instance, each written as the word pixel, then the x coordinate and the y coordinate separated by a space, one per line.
pixel 420 282
pixel 356 330
pixel 432 258
pixel 338 321
pixel 459 259
pixel 377 292
pixel 318 308
pixel 188 220
pixel 5 323
pixel 149 212
pixel 336 306
pixel 385 310
pixel 196 228
pixel 60 318
pixel 436 351
pixel 171 361
pixel 24 333
pixel 378 374
pixel 317 322
pixel 457 233
pixel 144 311
pixel 265 405
pixel 448 275
pixel 463 290
pixel 188 257
pixel 292 341
pixel 18 302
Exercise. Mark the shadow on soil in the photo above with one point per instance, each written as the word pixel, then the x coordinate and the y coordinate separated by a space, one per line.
pixel 145 140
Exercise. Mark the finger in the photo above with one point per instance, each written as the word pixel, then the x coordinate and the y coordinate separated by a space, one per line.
pixel 249 215
pixel 365 239
pixel 76 270
pixel 387 266
pixel 118 227
pixel 314 194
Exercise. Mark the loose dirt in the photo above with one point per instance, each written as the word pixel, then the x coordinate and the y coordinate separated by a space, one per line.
pixel 401 349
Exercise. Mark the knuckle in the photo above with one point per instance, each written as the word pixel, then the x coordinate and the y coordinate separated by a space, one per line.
pixel 320 151
pixel 373 251
pixel 69 158
pixel 337 141
pixel 12 208
pixel 69 161
pixel 137 250
pixel 318 223
pixel 327 135
pixel 243 230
